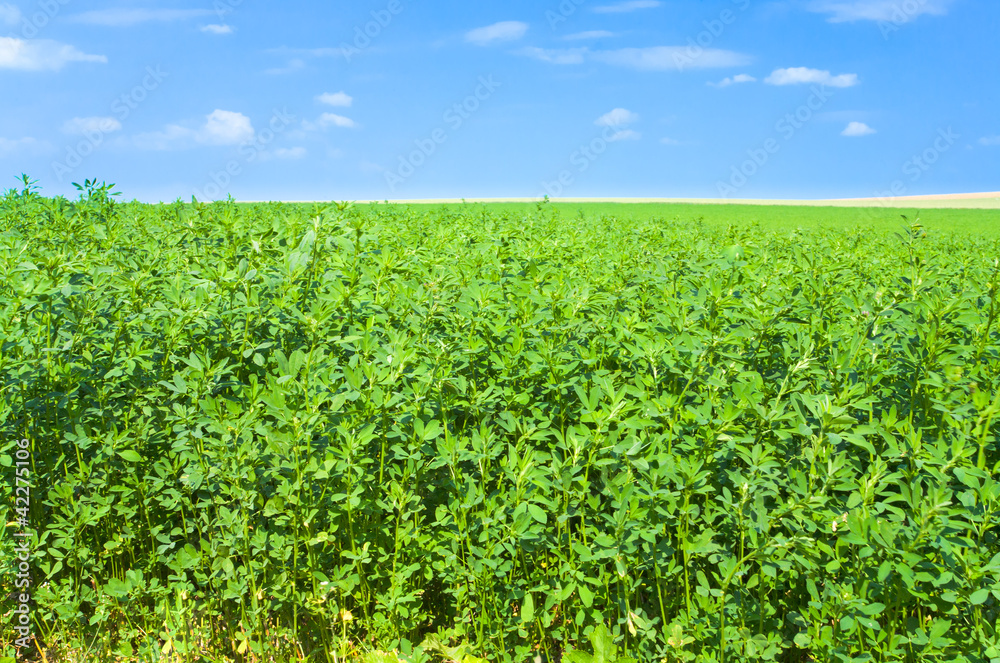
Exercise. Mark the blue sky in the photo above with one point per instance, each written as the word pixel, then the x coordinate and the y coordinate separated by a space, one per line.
pixel 398 99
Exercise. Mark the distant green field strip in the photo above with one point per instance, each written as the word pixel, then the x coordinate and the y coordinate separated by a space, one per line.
pixel 769 217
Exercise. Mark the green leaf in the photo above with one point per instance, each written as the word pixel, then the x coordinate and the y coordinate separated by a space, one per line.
pixel 117 588
pixel 980 597
pixel 869 623
pixel 130 456
pixel 873 609
pixel 528 609
pixel 537 513
pixel 586 595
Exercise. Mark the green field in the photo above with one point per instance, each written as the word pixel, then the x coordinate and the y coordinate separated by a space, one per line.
pixel 265 432
pixel 981 222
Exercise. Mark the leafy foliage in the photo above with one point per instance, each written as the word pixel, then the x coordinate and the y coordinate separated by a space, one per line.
pixel 270 431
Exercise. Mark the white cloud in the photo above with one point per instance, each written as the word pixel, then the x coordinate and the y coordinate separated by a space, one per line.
pixel 738 78
pixel 856 129
pixel 226 128
pixel 618 117
pixel 629 6
pixel 624 134
pixel 802 75
pixel 215 29
pixel 990 140
pixel 655 58
pixel 498 32
pixel 555 55
pixel 893 11
pixel 221 128
pixel 670 141
pixel 40 55
pixel 670 58
pixel 325 52
pixel 297 57
pixel 335 99
pixel 13 146
pixel 123 18
pixel 9 15
pixel 294 65
pixel 334 120
pixel 290 152
pixel 590 34
pixel 83 125
pixel 171 138
pixel 327 120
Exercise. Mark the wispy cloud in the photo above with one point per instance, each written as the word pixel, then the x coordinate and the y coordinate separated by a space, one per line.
pixel 79 126
pixel 327 120
pixel 624 134
pixel 555 55
pixel 896 11
pixel 41 55
pixel 989 140
pixel 734 80
pixel 215 29
pixel 9 14
pixel 290 152
pixel 323 52
pixel 295 64
pixel 221 128
pixel 171 137
pixel 804 75
pixel 297 57
pixel 619 119
pixel 590 34
pixel 10 146
pixel 334 120
pixel 655 58
pixel 341 99
pixel 857 129
pixel 628 6
pixel 498 32
pixel 670 58
pixel 123 18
